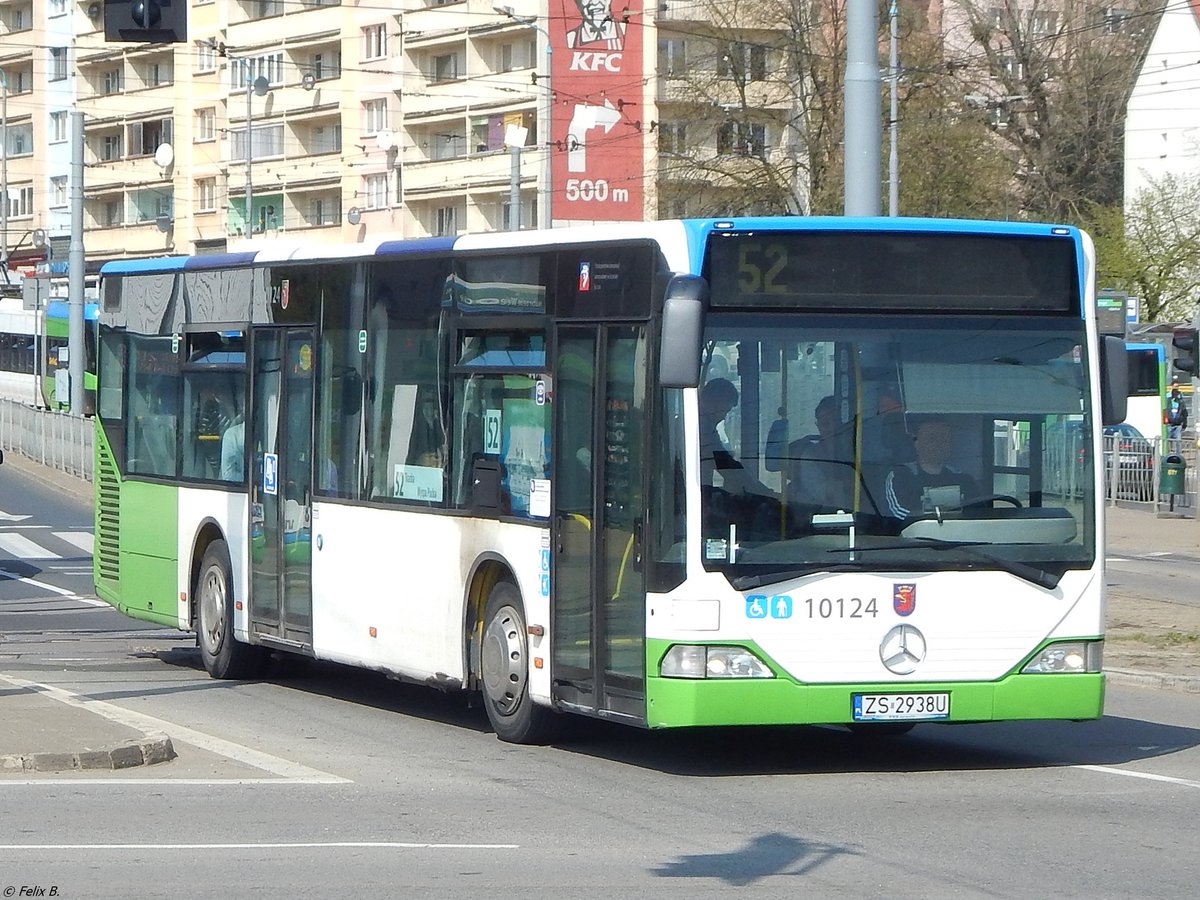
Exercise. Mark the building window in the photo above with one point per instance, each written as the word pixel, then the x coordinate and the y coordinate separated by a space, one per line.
pixel 146 137
pixel 1012 67
pixel 58 190
pixel 58 126
pixel 375 188
pixel 110 147
pixel 206 124
pixel 1115 19
pixel 114 212
pixel 264 9
pixel 324 211
pixel 374 42
pixel 110 81
pixel 444 67
pixel 375 116
pixel 57 8
pixel 1043 23
pixel 744 62
pixel 445 221
pixel 325 139
pixel 672 58
pixel 58 63
pixel 20 202
pixel 672 137
pixel 206 56
pixel 243 71
pixel 326 64
pixel 268 141
pixel 19 140
pixel 157 74
pixel 206 195
pixel 742 139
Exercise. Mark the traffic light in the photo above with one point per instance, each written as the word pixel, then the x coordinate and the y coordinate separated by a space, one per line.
pixel 146 21
pixel 1184 341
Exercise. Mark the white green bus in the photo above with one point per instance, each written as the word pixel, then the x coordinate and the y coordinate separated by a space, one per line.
pixel 494 463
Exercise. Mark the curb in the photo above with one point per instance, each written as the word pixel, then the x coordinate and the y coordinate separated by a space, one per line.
pixel 152 749
pixel 1189 684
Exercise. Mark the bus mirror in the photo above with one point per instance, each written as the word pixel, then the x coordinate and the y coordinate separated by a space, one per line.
pixel 684 307
pixel 1114 380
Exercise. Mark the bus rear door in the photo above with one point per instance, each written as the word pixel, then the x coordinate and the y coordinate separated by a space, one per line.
pixel 281 485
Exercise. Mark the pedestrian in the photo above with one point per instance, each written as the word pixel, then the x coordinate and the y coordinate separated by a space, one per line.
pixel 1177 415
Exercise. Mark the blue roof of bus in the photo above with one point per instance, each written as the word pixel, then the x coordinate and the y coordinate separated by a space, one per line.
pixel 60 309
pixel 697 231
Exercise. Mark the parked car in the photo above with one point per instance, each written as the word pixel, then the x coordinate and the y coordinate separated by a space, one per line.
pixel 1135 456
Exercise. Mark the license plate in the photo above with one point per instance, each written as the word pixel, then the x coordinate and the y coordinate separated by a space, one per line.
pixel 890 707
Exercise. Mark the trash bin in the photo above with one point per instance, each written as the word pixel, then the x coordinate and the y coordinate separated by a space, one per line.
pixel 1171 478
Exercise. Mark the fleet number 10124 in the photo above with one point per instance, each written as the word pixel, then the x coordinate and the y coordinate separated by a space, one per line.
pixel 841 608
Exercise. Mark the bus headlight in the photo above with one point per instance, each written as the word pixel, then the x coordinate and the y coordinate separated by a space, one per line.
pixel 697 661
pixel 1068 656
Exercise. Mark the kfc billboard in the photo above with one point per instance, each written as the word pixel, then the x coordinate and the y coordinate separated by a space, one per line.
pixel 596 145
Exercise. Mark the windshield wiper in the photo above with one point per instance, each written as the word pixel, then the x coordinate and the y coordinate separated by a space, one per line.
pixel 1021 570
pixel 744 582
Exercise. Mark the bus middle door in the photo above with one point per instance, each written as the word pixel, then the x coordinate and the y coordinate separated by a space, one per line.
pixel 281 485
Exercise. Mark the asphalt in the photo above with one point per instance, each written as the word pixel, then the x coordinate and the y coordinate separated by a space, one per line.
pixel 43 729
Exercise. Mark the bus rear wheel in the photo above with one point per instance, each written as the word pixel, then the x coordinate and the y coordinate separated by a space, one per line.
pixel 504 664
pixel 223 656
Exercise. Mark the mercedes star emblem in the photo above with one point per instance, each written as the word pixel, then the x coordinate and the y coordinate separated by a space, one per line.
pixel 902 649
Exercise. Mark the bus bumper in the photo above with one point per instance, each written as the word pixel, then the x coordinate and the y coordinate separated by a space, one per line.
pixel 678 702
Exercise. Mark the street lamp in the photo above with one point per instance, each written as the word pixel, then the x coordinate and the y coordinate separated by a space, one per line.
pixel 544 128
pixel 259 86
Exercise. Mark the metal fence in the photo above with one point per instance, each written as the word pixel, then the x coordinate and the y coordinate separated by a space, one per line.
pixel 58 440
pixel 1134 472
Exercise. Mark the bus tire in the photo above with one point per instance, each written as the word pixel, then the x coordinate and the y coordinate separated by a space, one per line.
pixel 504 667
pixel 224 657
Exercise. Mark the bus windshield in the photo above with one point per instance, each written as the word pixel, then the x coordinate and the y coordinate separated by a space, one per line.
pixel 893 442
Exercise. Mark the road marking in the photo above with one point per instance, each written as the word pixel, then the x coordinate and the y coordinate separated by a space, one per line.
pixel 9 517
pixel 291 845
pixel 62 592
pixel 275 765
pixel 1115 559
pixel 1129 773
pixel 24 548
pixel 84 540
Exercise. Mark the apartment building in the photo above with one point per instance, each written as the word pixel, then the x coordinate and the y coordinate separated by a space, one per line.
pixel 344 121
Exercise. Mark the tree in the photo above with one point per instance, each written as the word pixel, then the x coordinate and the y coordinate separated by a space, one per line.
pixel 1056 77
pixel 1152 250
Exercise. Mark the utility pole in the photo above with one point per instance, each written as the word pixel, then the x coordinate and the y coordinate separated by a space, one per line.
pixel 863 131
pixel 4 173
pixel 76 345
pixel 894 117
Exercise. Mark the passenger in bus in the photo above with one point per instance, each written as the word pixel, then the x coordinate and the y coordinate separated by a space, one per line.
pixel 233 452
pixel 822 465
pixel 718 397
pixel 928 484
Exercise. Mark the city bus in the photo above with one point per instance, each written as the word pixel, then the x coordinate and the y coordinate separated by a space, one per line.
pixel 56 318
pixel 479 463
pixel 1146 407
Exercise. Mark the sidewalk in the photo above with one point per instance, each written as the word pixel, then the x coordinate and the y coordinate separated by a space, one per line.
pixel 1136 532
pixel 48 731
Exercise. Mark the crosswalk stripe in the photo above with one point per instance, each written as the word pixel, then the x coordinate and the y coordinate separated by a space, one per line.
pixel 84 540
pixel 23 548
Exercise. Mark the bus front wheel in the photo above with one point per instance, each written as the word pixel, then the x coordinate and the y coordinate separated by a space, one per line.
pixel 223 656
pixel 504 661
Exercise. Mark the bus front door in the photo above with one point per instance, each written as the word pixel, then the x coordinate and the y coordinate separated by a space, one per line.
pixel 598 613
pixel 281 486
